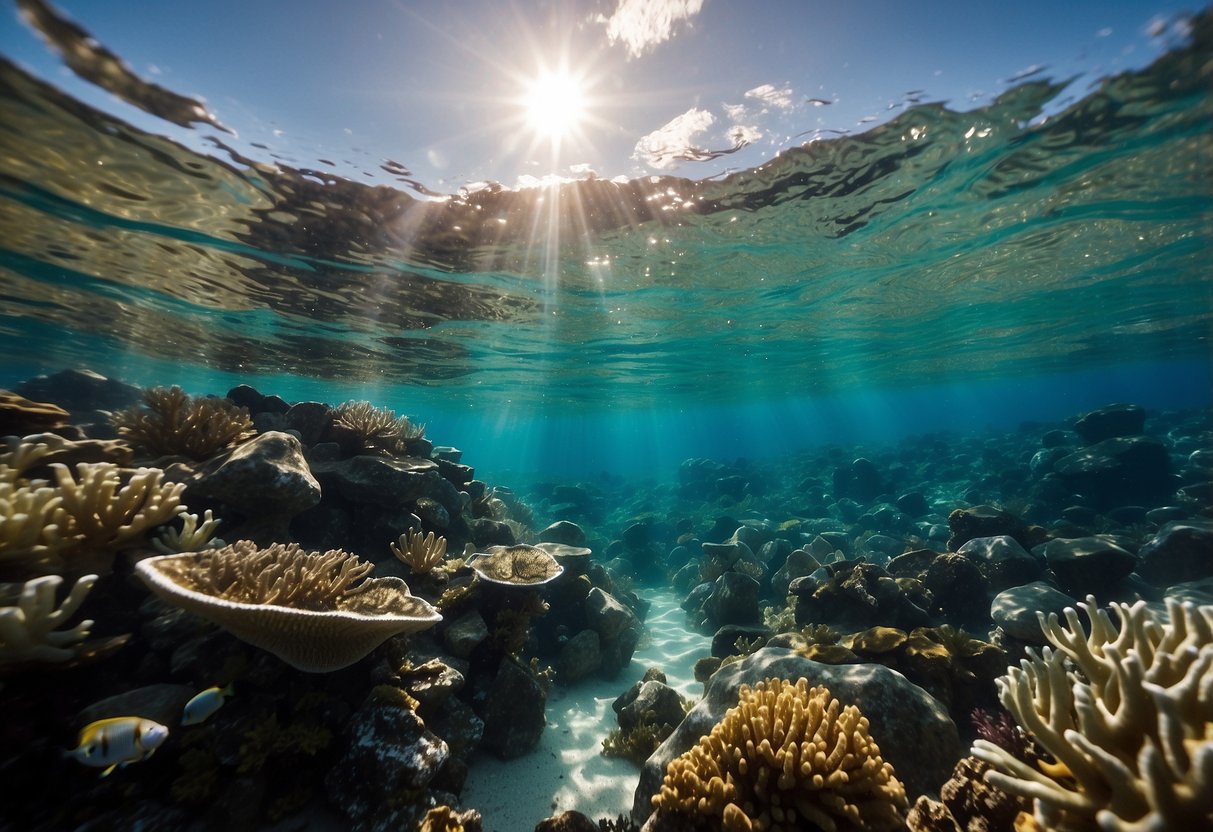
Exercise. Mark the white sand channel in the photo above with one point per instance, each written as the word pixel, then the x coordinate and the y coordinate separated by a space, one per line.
pixel 567 770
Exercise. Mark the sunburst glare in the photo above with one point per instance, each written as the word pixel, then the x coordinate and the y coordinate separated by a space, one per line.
pixel 555 104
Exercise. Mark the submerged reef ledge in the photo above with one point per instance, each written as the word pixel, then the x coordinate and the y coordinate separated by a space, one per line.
pixel 388 642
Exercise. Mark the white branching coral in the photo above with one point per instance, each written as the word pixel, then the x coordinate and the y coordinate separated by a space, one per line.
pixel 420 552
pixel 1131 731
pixel 192 537
pixel 29 630
pixel 78 523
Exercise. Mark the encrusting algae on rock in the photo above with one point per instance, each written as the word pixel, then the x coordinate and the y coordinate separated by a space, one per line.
pixel 786 756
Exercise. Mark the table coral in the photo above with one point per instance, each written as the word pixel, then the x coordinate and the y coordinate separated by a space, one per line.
pixel 317 612
pixel 786 756
pixel 29 630
pixel 1131 732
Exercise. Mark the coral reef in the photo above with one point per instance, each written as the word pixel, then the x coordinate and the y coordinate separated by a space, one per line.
pixel 967 803
pixel 379 428
pixel 785 756
pixel 445 819
pixel 419 553
pixel 1131 734
pixel 30 630
pixel 317 612
pixel 77 524
pixel 170 422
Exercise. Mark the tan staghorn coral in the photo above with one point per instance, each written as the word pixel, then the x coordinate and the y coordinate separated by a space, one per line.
pixel 77 524
pixel 787 757
pixel 317 612
pixel 283 574
pixel 172 423
pixel 379 427
pixel 29 630
pixel 1131 732
pixel 420 553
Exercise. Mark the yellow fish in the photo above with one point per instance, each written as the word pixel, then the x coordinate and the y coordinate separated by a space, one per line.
pixel 201 707
pixel 109 743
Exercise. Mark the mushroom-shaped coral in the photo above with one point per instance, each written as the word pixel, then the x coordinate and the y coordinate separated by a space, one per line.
pixel 520 565
pixel 787 757
pixel 171 422
pixel 1131 733
pixel 316 612
pixel 29 631
pixel 420 553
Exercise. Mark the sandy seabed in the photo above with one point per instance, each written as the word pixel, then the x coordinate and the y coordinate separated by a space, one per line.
pixel 567 770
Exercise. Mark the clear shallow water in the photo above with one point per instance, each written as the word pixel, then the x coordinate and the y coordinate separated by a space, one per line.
pixel 942 270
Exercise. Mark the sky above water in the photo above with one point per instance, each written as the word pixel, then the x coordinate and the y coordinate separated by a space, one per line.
pixel 449 93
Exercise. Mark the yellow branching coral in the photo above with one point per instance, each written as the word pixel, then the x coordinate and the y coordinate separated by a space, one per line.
pixel 1131 732
pixel 420 553
pixel 787 756
pixel 171 422
pixel 77 524
pixel 29 630
pixel 379 427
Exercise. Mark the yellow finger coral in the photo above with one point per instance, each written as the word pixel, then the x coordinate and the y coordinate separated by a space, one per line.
pixel 786 757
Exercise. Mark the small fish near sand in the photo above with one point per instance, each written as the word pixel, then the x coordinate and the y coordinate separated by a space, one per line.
pixel 109 743
pixel 203 706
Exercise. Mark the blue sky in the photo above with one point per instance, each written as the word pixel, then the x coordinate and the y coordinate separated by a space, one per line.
pixel 441 86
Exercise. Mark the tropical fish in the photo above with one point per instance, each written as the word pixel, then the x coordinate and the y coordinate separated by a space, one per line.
pixel 201 707
pixel 109 743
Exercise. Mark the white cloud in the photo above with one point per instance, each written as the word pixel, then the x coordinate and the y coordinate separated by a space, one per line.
pixel 742 134
pixel 642 24
pixel 664 146
pixel 581 168
pixel 772 96
pixel 735 112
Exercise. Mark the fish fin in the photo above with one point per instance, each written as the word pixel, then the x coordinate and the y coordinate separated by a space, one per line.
pixel 229 689
pixel 109 770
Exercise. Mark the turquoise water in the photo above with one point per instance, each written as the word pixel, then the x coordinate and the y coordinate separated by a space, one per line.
pixel 942 271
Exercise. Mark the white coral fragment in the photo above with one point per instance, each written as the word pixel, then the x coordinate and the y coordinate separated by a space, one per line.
pixel 29 631
pixel 1131 725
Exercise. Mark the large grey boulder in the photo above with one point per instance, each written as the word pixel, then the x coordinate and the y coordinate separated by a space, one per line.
pixel 1180 551
pixel 912 729
pixel 1015 609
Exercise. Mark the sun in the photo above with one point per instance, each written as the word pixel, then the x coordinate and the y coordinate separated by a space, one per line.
pixel 555 104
